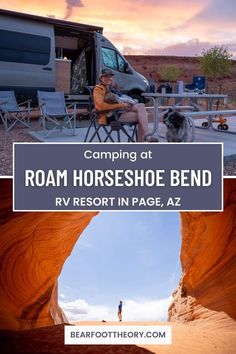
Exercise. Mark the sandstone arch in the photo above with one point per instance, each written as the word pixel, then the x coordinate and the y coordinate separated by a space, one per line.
pixel 34 247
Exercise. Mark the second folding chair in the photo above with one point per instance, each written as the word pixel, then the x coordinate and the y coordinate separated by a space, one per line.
pixel 55 114
pixel 11 112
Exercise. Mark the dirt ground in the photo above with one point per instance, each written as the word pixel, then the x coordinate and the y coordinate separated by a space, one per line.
pixel 21 134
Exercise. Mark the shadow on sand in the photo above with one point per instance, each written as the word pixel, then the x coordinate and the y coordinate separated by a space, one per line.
pixel 50 340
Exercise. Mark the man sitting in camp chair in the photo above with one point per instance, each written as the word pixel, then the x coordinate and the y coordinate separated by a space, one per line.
pixel 104 132
pixel 11 112
pixel 132 113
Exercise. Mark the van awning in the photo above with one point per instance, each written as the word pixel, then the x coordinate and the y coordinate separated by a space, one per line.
pixel 54 21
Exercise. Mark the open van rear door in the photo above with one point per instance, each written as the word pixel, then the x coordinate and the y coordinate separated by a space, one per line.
pixel 98 53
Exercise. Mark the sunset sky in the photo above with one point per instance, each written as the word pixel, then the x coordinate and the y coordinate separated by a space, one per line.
pixel 164 27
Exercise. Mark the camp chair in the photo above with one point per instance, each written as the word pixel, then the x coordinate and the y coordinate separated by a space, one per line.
pixel 11 112
pixel 198 84
pixel 113 126
pixel 55 114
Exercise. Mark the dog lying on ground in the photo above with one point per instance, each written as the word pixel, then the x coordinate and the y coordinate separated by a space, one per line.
pixel 180 128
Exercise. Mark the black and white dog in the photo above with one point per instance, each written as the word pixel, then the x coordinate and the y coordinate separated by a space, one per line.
pixel 180 128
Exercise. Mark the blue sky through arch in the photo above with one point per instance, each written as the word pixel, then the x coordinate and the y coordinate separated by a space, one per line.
pixel 131 256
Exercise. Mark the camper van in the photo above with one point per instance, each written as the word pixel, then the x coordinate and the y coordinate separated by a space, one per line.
pixel 44 53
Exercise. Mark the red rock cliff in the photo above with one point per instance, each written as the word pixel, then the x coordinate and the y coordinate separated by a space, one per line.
pixel 152 64
pixel 207 290
pixel 33 249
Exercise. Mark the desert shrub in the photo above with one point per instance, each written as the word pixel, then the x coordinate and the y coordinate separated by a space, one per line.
pixel 170 72
pixel 215 62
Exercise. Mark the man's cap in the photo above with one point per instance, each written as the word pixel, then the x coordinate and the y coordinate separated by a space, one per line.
pixel 106 72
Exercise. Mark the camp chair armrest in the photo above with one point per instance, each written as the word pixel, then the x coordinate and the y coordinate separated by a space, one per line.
pixel 22 110
pixel 72 105
pixel 28 101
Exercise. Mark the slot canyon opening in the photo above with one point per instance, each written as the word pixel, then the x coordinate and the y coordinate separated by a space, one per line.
pixel 133 257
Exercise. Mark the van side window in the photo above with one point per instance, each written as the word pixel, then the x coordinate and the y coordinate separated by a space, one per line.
pixel 109 58
pixel 121 63
pixel 24 48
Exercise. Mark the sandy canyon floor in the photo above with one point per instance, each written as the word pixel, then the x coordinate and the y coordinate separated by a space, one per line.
pixel 187 339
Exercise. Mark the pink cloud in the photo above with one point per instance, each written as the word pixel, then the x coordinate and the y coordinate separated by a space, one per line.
pixel 149 26
pixel 70 4
pixel 190 48
pixel 193 47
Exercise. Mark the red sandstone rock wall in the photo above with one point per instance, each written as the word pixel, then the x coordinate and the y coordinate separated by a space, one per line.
pixel 208 256
pixel 33 249
pixel 151 64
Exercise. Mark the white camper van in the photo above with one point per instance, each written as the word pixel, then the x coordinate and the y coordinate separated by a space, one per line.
pixel 43 53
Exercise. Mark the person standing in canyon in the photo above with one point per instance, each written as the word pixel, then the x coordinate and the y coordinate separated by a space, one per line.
pixel 120 311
